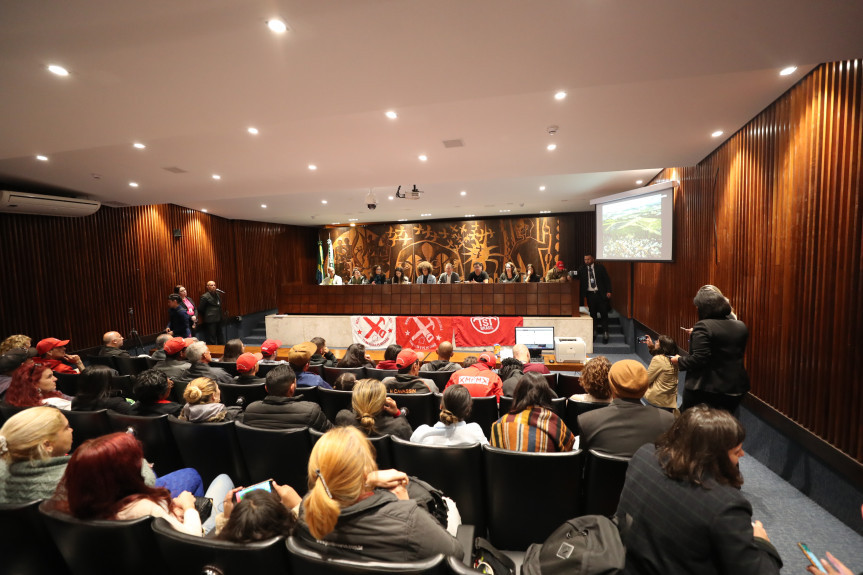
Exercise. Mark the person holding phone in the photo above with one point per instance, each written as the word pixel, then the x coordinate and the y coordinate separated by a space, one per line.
pixel 258 512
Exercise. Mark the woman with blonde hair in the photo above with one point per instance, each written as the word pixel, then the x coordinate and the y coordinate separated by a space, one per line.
pixel 203 403
pixel 17 341
pixel 343 509
pixel 594 380
pixel 373 412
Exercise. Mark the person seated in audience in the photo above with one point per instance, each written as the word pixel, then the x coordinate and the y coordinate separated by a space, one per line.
pixel 424 275
pixel 390 355
pixel 594 380
pixel 94 391
pixel 199 355
pixel 35 384
pixel 452 428
pixel 442 363
pixel 357 278
pixel 260 515
pixel 530 275
pixel 17 341
pixel 344 515
pixel 51 352
pixel 203 403
pixel 378 277
pixel 521 353
pixel 469 361
pixel 280 409
pixel 103 480
pixel 510 274
pixel 332 279
pixel 355 356
pixel 112 345
pixel 479 378
pixel 662 374
pixel 373 412
pixel 174 363
pixel 9 362
pixel 531 424
pixel 682 504
pixel 159 351
pixel 449 275
pixel 625 425
pixel 298 359
pixel 345 382
pixel 233 349
pixel 407 380
pixel 270 351
pixel 322 356
pixel 152 389
pixel 477 276
pixel 832 566
pixel 399 276
pixel 510 372
pixel 247 369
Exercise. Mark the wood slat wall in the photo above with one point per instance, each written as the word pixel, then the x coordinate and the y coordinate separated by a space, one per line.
pixel 77 277
pixel 774 219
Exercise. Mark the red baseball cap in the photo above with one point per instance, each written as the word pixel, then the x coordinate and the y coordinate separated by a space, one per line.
pixel 247 362
pixel 560 265
pixel 50 343
pixel 407 357
pixel 270 346
pixel 488 358
pixel 175 345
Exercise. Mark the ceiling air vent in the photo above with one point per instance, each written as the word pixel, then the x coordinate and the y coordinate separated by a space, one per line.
pixel 453 143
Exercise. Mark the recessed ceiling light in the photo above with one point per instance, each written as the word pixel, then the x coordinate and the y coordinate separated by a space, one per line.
pixel 58 70
pixel 217 177
pixel 42 158
pixel 504 211
pixel 263 205
pixel 313 167
pixel 277 25
pixel 717 133
pixel 424 215
pixel 353 225
pixel 560 95
pixel 463 193
pixel 470 215
pixel 403 220
pixel 788 71
pixel 253 131
pixel 423 157
pixel 204 210
pixel 639 182
pixel 390 197
pixel 392 115
pixel 323 201
pixel 545 212
pixel 133 184
pixel 353 219
pixel 139 145
pixel 542 188
pixel 336 224
pixel 551 147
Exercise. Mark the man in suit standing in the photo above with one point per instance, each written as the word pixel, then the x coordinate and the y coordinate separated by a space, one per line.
pixel 596 287
pixel 210 313
pixel 626 424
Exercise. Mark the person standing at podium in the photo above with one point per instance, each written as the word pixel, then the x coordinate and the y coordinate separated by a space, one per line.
pixel 596 287
pixel 210 314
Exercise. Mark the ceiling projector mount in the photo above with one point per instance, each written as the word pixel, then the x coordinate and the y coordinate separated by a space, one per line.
pixel 414 194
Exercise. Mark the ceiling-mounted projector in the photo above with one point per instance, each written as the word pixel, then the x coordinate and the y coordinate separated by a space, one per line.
pixel 414 194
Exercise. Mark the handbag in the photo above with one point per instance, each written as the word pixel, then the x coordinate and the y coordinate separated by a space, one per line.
pixel 587 545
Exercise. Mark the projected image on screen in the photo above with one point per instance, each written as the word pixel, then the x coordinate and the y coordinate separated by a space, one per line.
pixel 633 229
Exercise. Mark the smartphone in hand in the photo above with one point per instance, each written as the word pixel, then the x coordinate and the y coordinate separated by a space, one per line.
pixel 811 556
pixel 265 485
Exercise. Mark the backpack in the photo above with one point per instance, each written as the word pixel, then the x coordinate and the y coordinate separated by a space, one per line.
pixel 587 545
pixel 429 498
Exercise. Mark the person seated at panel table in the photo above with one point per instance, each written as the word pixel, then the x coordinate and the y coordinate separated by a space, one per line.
pixel 449 276
pixel 378 277
pixel 357 278
pixel 424 275
pixel 530 276
pixel 399 276
pixel 477 276
pixel 557 274
pixel 509 275
pixel 332 279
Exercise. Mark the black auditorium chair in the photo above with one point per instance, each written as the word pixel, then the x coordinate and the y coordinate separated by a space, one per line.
pixel 104 546
pixel 558 406
pixel 210 448
pixel 8 411
pixel 106 360
pixel 123 384
pixel 67 382
pixel 333 400
pixel 264 368
pixel 457 470
pixel 314 369
pixel 190 555
pixel 26 546
pixel 441 378
pixel 568 384
pixel 331 374
pixel 133 365
pixel 382 445
pixel 380 374
pixel 248 391
pixel 423 408
pixel 505 405
pixel 278 454
pixel 308 393
pixel 229 366
pixel 604 475
pixel 529 495
pixel 155 436
pixel 306 561
pixel 576 408
pixel 484 412
pixel 87 425
pixel 551 380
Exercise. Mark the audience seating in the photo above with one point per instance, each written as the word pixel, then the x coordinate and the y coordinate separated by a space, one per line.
pixel 423 408
pixel 67 382
pixel 505 405
pixel 106 360
pixel 8 411
pixel 155 435
pixel 123 384
pixel 382 445
pixel 331 374
pixel 529 495
pixel 576 408
pixel 189 555
pixel 604 475
pixel 133 365
pixel 456 470
pixel 558 405
pixel 264 368
pixel 315 369
pixel 551 380
pixel 306 561
pixel 104 547
pixel 26 547
pixel 87 425
pixel 333 400
pixel 210 448
pixel 229 366
pixel 441 378
pixel 568 385
pixel 380 374
pixel 484 412
pixel 309 393
pixel 248 391
pixel 278 454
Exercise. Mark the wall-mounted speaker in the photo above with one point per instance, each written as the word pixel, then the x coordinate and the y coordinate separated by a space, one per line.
pixel 177 234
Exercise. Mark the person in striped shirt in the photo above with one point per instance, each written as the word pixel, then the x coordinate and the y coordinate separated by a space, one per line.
pixel 531 425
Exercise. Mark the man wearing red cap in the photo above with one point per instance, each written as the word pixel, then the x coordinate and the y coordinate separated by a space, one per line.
pixel 270 351
pixel 247 369
pixel 557 273
pixel 174 363
pixel 407 379
pixel 52 353
pixel 479 379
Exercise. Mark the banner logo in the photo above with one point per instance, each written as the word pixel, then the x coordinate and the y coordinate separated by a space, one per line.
pixel 373 331
pixel 485 324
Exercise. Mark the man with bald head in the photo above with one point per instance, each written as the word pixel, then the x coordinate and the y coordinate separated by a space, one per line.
pixel 112 345
pixel 442 363
pixel 521 353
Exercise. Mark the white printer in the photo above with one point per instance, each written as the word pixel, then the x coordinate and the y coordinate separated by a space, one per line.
pixel 569 349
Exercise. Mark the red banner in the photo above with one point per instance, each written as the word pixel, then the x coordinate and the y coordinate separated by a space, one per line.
pixel 423 332
pixel 482 331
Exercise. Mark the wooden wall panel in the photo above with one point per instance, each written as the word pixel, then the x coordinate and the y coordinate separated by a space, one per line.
pixel 78 277
pixel 774 218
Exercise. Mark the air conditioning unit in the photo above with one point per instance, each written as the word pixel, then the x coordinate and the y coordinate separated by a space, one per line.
pixel 27 203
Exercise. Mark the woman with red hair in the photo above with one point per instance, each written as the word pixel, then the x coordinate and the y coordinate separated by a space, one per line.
pixel 34 384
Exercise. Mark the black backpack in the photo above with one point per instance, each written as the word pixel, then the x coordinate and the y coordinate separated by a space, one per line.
pixel 587 545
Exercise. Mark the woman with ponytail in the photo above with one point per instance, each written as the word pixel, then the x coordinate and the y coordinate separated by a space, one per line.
pixel 374 413
pixel 452 428
pixel 203 403
pixel 354 511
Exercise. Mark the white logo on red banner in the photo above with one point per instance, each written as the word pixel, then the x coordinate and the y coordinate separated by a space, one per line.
pixel 485 324
pixel 374 331
pixel 483 331
pixel 423 332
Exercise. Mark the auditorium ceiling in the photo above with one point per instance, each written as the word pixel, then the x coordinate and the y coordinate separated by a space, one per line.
pixel 646 84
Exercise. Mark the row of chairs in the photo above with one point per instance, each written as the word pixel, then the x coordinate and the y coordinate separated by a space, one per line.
pixel 123 365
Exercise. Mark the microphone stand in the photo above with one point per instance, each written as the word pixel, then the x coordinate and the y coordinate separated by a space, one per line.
pixel 133 333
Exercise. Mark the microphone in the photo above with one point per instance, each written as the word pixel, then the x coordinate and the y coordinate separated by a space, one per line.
pixel 220 291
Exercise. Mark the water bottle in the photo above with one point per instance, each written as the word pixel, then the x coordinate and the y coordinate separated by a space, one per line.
pixel 497 349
